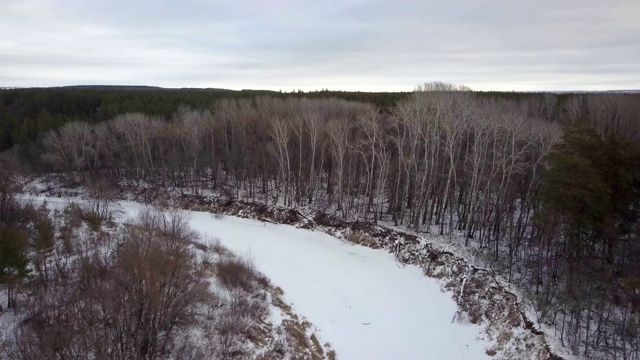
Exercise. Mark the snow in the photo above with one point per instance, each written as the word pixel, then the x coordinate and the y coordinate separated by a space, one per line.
pixel 362 301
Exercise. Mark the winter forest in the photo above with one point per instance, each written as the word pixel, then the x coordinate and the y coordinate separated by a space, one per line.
pixel 543 189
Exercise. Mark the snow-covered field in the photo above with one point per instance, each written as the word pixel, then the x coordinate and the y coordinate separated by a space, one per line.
pixel 362 301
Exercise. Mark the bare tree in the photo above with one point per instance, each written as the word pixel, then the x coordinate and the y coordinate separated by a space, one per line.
pixel 338 131
pixel 315 126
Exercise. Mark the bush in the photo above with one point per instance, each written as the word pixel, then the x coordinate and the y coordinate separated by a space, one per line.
pixel 157 275
pixel 73 216
pixel 237 273
pixel 215 245
pixel 93 220
pixel 248 308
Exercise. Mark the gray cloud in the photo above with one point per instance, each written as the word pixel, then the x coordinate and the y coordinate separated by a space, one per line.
pixel 292 44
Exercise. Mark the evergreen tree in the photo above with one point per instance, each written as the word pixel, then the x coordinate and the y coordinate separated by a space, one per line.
pixel 13 258
pixel 591 187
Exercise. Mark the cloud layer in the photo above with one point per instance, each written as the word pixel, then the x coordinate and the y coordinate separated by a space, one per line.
pixel 298 44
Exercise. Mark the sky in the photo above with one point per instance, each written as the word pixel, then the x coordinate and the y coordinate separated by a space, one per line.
pixel 365 45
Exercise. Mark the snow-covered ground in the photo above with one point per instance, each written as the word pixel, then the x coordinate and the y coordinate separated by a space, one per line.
pixel 362 301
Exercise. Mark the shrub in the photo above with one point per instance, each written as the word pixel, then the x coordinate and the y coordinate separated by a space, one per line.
pixel 247 308
pixel 237 273
pixel 93 220
pixel 157 275
pixel 73 216
pixel 215 245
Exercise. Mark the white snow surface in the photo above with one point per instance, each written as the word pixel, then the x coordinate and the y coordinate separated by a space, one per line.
pixel 361 300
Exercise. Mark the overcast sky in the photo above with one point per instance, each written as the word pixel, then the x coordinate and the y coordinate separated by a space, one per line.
pixel 336 44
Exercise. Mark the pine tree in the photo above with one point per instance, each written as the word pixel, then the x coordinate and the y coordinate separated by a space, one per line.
pixel 13 258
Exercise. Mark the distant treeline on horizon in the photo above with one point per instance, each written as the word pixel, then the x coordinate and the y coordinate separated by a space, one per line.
pixel 27 112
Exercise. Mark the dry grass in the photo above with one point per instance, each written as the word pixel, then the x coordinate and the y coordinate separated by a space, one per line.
pixel 316 344
pixel 304 347
pixel 504 337
pixel 359 238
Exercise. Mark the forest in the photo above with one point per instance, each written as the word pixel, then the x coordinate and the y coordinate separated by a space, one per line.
pixel 544 189
pixel 25 113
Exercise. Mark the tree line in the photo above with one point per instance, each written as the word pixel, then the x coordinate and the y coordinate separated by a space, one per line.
pixel 27 113
pixel 542 187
